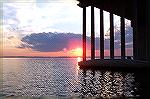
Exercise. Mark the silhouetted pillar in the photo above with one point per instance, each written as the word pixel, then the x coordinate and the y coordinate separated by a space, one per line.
pixel 147 10
pixel 111 36
pixel 92 34
pixel 122 38
pixel 141 30
pixel 134 25
pixel 101 35
pixel 84 34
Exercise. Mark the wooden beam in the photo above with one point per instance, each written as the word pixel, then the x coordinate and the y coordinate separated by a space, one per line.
pixel 84 34
pixel 92 34
pixel 111 36
pixel 134 25
pixel 122 38
pixel 101 35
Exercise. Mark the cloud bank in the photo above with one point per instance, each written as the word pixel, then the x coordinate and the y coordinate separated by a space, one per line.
pixel 54 42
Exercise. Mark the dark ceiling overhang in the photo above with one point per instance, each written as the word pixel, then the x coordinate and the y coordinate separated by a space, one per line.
pixel 122 8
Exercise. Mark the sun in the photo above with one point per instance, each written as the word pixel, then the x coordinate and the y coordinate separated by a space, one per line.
pixel 78 52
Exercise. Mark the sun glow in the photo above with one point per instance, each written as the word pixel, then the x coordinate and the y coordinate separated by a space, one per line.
pixel 78 52
pixel 79 59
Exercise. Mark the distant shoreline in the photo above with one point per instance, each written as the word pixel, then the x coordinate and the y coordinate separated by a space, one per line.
pixel 51 57
pixel 37 57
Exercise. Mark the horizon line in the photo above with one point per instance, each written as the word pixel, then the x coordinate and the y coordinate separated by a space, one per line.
pixel 53 56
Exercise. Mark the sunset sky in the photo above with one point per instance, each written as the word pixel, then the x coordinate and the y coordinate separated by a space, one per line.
pixel 51 28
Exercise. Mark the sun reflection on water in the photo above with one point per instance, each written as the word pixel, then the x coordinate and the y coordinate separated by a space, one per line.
pixel 77 66
pixel 79 59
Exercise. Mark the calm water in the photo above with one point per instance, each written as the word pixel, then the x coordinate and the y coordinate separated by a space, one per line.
pixel 61 77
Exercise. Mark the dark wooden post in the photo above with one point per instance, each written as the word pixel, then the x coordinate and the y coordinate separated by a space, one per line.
pixel 92 34
pixel 84 34
pixel 111 36
pixel 122 38
pixel 141 30
pixel 148 30
pixel 101 35
pixel 134 24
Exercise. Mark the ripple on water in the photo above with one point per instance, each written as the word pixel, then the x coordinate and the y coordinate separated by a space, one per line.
pixel 61 77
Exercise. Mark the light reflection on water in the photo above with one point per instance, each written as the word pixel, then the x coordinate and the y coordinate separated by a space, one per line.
pixel 62 77
pixel 107 84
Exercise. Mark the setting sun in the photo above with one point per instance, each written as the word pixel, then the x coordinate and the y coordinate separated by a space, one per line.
pixel 78 52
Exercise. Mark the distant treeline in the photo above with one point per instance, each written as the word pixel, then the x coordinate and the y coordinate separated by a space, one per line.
pixel 97 57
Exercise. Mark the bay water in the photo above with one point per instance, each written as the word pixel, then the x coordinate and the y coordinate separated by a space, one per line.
pixel 62 77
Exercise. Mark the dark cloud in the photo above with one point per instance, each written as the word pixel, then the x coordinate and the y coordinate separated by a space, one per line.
pixel 53 42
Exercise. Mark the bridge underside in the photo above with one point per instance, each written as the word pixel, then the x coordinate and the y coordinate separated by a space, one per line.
pixel 135 10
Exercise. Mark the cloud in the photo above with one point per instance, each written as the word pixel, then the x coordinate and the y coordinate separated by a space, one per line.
pixel 51 42
pixel 42 16
pixel 9 15
pixel 128 37
pixel 54 42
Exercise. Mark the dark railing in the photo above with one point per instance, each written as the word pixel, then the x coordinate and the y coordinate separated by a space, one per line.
pixel 122 28
pixel 111 36
pixel 92 34
pixel 122 38
pixel 84 34
pixel 101 35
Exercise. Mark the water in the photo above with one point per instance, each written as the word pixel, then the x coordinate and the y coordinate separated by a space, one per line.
pixel 61 77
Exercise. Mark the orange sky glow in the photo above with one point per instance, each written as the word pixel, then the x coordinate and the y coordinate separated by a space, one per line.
pixel 25 19
pixel 70 53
